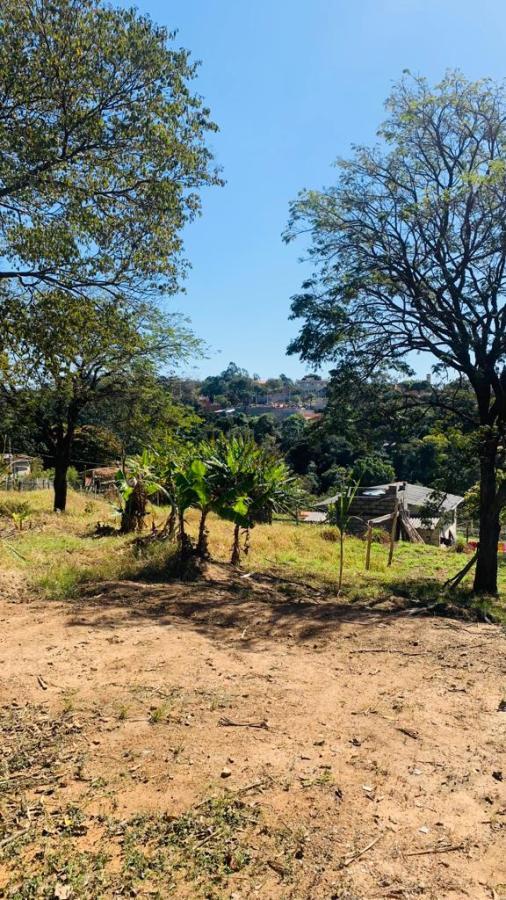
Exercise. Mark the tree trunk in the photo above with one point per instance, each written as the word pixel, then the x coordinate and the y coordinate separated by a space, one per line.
pixel 184 541
pixel 485 579
pixel 60 481
pixel 236 550
pixel 202 549
pixel 61 440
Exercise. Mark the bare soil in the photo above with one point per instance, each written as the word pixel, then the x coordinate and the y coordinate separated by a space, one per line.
pixel 246 737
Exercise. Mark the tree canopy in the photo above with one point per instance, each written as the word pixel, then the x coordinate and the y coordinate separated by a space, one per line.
pixel 410 255
pixel 102 150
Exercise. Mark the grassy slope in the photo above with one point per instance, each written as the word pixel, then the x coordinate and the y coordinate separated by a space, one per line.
pixel 56 553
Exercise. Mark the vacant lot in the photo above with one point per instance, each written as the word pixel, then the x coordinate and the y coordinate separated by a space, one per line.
pixel 246 735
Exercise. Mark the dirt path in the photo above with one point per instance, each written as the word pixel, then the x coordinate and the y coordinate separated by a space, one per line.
pixel 368 731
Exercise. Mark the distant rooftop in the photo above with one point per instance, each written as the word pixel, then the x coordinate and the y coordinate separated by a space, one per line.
pixel 414 495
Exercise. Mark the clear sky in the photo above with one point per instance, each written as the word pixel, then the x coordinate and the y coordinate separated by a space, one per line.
pixel 292 84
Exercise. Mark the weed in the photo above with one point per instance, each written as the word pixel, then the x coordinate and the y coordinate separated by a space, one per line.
pixel 122 712
pixel 158 713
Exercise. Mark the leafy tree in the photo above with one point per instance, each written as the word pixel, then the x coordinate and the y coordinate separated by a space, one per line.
pixel 102 150
pixel 369 470
pixel 67 352
pixel 233 386
pixel 191 489
pixel 143 412
pixel 227 477
pixel 263 427
pixel 95 445
pixel 264 485
pixel 292 430
pixel 410 255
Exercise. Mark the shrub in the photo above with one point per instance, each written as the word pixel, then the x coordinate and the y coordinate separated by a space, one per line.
pixel 380 536
pixel 460 545
pixel 73 478
pixel 14 506
pixel 330 534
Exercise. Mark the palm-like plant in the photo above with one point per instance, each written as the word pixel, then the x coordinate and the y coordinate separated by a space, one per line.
pixel 136 482
pixel 231 465
pixel 191 490
pixel 249 484
pixel 339 514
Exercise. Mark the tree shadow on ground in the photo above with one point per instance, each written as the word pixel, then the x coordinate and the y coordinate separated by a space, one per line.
pixel 245 609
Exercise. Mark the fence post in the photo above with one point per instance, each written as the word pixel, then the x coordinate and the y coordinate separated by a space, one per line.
pixel 368 549
pixel 392 535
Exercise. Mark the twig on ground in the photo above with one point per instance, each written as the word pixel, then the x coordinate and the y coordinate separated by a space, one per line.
pixel 389 650
pixel 408 732
pixel 255 784
pixel 448 848
pixel 229 723
pixel 359 853
pixel 421 609
pixel 14 837
pixel 207 838
pixel 15 551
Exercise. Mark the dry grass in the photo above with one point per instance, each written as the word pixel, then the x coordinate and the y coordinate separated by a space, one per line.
pixel 58 553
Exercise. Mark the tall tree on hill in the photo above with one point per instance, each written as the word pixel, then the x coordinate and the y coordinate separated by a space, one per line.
pixel 102 150
pixel 410 254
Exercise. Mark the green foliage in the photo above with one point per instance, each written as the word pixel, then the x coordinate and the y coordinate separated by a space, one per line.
pixel 95 445
pixel 10 505
pixel 369 470
pixel 102 148
pixel 406 258
pixel 73 478
pixel 234 478
pixel 339 514
pixel 135 483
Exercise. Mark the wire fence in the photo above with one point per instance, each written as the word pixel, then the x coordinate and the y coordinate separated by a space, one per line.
pixel 12 483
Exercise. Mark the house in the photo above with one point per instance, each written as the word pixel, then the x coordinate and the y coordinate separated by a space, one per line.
pixel 423 515
pixel 101 480
pixel 18 466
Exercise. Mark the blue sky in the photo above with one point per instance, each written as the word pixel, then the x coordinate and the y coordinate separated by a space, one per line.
pixel 292 84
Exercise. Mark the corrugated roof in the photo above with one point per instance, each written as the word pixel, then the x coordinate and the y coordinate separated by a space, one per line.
pixel 418 494
pixel 415 495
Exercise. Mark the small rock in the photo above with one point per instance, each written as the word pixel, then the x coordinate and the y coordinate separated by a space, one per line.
pixel 319 742
pixel 497 775
pixel 225 772
pixel 424 829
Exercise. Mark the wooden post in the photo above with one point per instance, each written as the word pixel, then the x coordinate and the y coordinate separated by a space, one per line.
pixel 368 549
pixel 392 535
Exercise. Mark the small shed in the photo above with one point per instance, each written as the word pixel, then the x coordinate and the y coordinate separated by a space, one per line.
pixel 424 514
pixel 100 480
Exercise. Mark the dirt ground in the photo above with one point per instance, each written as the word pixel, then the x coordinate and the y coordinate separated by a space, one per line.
pixel 243 737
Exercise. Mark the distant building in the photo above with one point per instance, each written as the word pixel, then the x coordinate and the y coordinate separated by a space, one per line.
pixel 100 480
pixel 377 504
pixel 18 466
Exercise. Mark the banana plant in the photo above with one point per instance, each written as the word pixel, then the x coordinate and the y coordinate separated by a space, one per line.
pixel 136 482
pixel 339 514
pixel 250 484
pixel 191 489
